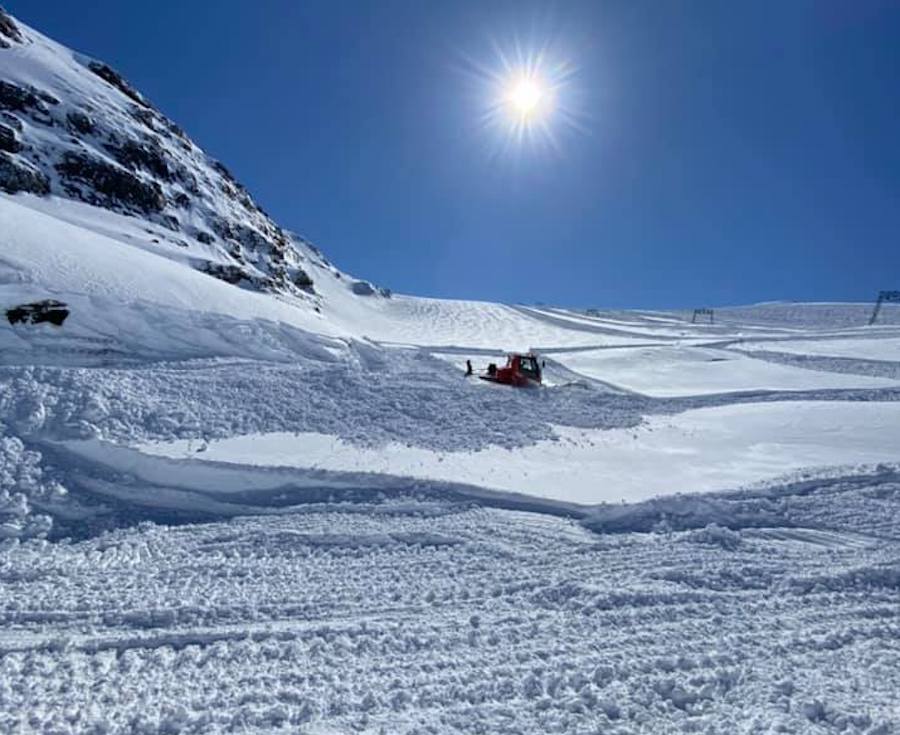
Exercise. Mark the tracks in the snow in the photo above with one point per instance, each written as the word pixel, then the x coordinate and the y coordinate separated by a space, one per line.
pixel 524 623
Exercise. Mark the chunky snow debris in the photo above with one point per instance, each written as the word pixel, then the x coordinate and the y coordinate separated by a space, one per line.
pixel 470 620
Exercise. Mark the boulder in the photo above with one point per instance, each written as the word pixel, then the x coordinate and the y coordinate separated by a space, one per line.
pixel 302 280
pixel 363 288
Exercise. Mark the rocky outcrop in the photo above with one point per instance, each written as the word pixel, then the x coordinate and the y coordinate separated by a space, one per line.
pixel 94 137
pixel 147 155
pixel 109 185
pixel 79 122
pixel 22 99
pixel 9 31
pixel 302 280
pixel 9 140
pixel 17 177
pixel 111 76
pixel 363 288
pixel 233 274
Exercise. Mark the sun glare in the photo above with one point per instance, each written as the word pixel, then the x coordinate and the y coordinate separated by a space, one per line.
pixel 525 97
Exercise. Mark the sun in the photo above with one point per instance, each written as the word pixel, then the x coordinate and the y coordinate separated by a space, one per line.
pixel 525 97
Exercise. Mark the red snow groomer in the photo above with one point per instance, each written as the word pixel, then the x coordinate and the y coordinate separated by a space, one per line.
pixel 521 370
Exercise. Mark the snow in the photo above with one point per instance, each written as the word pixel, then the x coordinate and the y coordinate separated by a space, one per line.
pixel 474 620
pixel 699 450
pixel 886 348
pixel 230 511
pixel 681 371
pixel 162 358
pixel 48 255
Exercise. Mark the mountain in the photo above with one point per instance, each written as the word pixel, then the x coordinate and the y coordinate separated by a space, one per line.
pixel 72 127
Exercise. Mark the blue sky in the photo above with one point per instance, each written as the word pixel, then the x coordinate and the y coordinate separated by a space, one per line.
pixel 724 152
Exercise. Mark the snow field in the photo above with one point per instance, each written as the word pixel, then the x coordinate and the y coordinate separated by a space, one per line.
pixel 695 451
pixel 462 621
pixel 884 348
pixel 682 371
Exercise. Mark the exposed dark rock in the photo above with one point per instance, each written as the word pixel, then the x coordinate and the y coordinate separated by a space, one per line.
pixel 237 253
pixel 170 222
pixel 247 237
pixel 145 116
pixel 113 185
pixel 79 122
pixel 233 274
pixel 46 97
pixel 8 28
pixel 20 99
pixel 205 237
pixel 53 312
pixel 363 288
pixel 110 75
pixel 9 141
pixel 147 155
pixel 302 280
pixel 221 227
pixel 11 120
pixel 174 129
pixel 188 180
pixel 16 177
pixel 181 200
pixel 223 170
pixel 386 292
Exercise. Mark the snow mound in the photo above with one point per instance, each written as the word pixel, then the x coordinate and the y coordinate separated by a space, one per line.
pixel 685 512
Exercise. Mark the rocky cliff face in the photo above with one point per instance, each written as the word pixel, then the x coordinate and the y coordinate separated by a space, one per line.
pixel 72 127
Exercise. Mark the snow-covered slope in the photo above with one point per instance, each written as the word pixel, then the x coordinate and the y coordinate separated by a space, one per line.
pixel 71 126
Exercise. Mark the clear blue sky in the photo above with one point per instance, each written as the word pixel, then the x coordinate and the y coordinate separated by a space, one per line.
pixel 729 152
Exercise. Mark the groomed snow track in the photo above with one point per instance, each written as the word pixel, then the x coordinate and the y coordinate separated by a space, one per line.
pixel 441 618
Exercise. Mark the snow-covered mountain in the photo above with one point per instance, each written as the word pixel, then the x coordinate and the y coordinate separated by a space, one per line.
pixel 72 127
